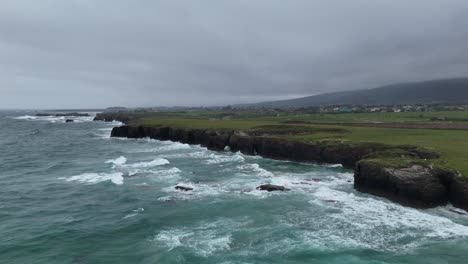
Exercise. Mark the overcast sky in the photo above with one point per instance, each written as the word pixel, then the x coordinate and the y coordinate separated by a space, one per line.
pixel 89 53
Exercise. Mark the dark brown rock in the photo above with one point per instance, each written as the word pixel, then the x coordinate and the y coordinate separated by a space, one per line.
pixel 121 131
pixel 183 188
pixel 415 186
pixel 272 187
pixel 216 140
pixel 459 192
pixel 243 143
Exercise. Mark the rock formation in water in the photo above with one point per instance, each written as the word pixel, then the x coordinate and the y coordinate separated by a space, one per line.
pixel 272 188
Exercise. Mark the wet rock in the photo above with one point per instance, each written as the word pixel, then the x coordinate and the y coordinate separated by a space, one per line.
pixel 121 131
pixel 272 188
pixel 183 188
pixel 241 142
pixel 458 211
pixel 69 121
pixel 415 186
pixel 459 192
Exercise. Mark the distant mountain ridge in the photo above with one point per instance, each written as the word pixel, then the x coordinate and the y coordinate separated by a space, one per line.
pixel 450 91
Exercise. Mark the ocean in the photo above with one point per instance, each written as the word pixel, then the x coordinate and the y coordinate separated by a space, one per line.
pixel 71 194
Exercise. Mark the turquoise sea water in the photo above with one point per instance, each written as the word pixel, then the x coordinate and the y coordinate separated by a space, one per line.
pixel 71 194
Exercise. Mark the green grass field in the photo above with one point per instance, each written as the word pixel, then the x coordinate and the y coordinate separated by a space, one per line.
pixel 451 144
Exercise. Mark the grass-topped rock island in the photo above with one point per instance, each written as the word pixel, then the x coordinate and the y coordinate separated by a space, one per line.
pixel 422 166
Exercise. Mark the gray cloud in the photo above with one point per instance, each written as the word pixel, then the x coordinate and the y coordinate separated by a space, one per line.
pixel 86 53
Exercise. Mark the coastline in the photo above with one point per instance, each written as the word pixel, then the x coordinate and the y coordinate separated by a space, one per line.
pixel 417 183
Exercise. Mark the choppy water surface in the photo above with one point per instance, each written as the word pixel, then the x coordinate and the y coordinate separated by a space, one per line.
pixel 71 194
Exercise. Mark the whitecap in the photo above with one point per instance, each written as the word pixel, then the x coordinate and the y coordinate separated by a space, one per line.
pixel 134 213
pixel 104 133
pixel 215 159
pixel 169 175
pixel 82 119
pixel 92 178
pixel 118 161
pixel 145 164
pixel 172 146
pixel 25 117
pixel 382 225
pixel 257 169
pixel 203 239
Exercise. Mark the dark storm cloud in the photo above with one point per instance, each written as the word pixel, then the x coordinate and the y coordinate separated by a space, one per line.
pixel 86 53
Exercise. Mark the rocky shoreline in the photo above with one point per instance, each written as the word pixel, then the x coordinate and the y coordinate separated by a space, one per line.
pixel 418 186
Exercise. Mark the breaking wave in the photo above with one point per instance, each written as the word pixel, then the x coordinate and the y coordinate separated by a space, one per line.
pixel 93 178
pixel 146 164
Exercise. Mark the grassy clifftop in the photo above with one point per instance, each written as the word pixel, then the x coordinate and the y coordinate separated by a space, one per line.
pixel 440 137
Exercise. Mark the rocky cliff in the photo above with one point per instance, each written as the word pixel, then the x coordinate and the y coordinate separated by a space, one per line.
pixel 280 149
pixel 419 185
pixel 416 185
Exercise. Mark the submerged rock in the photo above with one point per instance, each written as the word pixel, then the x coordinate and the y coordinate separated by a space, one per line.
pixel 183 188
pixel 272 187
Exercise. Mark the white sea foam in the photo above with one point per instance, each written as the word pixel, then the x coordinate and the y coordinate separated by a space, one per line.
pixel 172 146
pixel 55 119
pixel 81 119
pixel 165 147
pixel 134 213
pixel 118 161
pixel 25 117
pixel 173 170
pixel 334 166
pixel 168 176
pixel 168 172
pixel 215 158
pixel 195 152
pixel 203 239
pixel 92 178
pixel 146 164
pixel 382 225
pixel 104 133
pixel 254 167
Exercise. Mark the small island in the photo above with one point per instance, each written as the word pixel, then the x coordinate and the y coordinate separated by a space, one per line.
pixel 415 159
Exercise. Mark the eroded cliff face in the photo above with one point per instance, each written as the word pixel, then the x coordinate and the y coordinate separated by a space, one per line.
pixel 417 185
pixel 274 148
pixel 458 193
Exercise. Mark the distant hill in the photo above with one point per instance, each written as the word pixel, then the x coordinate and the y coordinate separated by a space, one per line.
pixel 436 91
